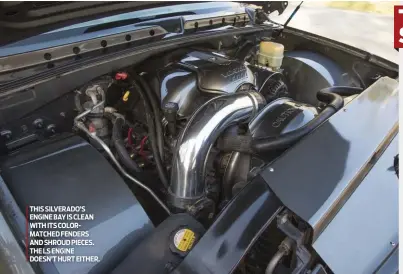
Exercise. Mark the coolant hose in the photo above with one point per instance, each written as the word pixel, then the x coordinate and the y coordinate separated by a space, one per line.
pixel 331 96
pixel 274 262
pixel 342 90
pixel 117 141
pixel 283 250
pixel 151 132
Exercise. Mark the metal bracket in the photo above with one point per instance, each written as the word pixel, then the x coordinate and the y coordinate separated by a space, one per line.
pixel 284 224
pixel 303 257
pixel 272 6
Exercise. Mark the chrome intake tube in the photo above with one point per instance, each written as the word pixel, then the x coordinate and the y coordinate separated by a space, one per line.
pixel 192 149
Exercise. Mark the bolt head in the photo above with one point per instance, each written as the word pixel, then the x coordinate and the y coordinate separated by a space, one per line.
pixel 283 219
pixel 6 134
pixel 24 128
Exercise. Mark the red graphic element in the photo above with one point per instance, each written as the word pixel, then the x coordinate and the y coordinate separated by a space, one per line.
pixel 26 234
pixel 398 27
pixel 121 76
pixel 92 128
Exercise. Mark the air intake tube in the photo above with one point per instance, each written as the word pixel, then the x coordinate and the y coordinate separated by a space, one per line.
pixel 206 124
pixel 332 96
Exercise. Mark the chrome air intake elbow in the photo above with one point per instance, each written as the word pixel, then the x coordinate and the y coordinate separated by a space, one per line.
pixel 206 124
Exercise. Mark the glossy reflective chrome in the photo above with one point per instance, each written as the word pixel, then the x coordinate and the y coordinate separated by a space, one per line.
pixel 255 122
pixel 262 124
pixel 202 130
pixel 192 80
pixel 217 73
pixel 179 86
pixel 230 178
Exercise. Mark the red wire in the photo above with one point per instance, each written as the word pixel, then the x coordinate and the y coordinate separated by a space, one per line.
pixel 142 143
pixel 129 137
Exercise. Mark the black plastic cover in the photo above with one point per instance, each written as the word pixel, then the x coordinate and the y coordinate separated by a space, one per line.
pixel 234 231
pixel 69 171
pixel 157 253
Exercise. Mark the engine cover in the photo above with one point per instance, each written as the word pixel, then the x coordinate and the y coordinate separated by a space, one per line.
pixel 199 75
pixel 281 116
pixel 69 171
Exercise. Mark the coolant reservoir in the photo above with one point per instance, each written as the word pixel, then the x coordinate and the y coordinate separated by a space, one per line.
pixel 270 54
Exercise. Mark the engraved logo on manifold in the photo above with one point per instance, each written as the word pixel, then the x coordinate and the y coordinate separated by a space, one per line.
pixel 282 117
pixel 235 74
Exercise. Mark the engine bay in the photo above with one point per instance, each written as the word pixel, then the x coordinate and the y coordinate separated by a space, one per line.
pixel 165 146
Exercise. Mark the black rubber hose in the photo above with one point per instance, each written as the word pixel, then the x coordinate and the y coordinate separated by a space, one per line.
pixel 151 133
pixel 244 50
pixel 331 96
pixel 157 114
pixel 342 90
pixel 117 141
